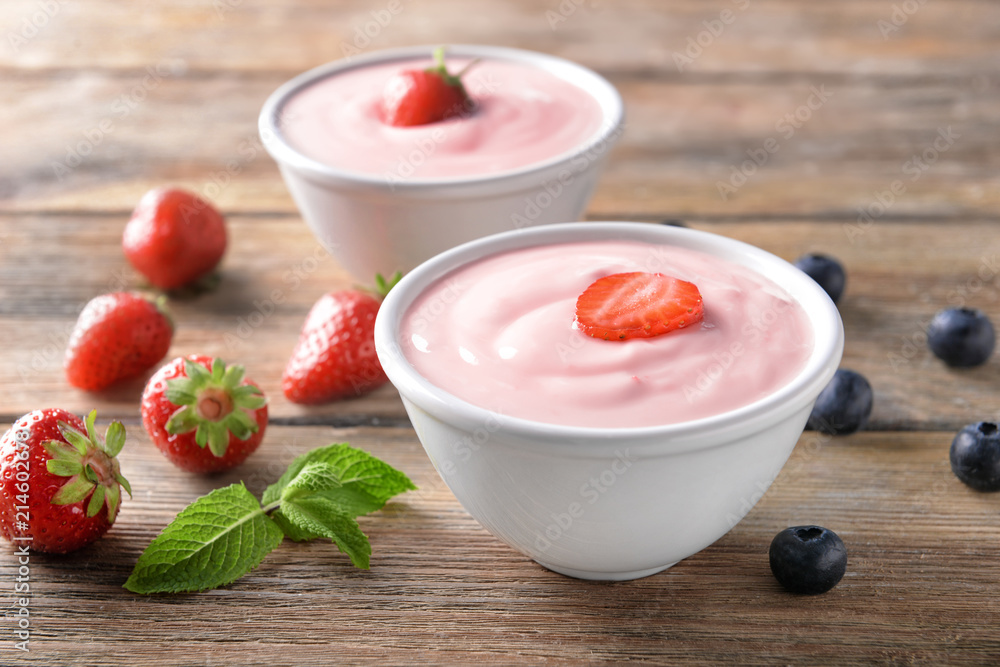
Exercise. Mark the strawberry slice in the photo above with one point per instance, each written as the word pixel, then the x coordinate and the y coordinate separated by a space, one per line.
pixel 419 97
pixel 638 305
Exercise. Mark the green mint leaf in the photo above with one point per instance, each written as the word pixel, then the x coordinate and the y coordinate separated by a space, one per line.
pixel 213 542
pixel 222 536
pixel 365 480
pixel 348 502
pixel 360 471
pixel 314 476
pixel 316 514
pixel 352 501
pixel 292 531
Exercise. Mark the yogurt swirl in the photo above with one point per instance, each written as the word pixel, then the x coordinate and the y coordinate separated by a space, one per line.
pixel 500 333
pixel 524 115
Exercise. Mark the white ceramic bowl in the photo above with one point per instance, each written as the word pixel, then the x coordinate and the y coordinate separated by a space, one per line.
pixel 373 225
pixel 610 503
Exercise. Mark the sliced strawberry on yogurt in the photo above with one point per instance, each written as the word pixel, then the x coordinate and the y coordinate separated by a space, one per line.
pixel 638 305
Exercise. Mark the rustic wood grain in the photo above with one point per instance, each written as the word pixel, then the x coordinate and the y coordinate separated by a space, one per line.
pixel 129 96
pixel 273 273
pixel 719 150
pixel 855 37
pixel 921 587
pixel 900 274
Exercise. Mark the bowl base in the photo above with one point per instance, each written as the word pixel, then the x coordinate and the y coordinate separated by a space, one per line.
pixel 605 576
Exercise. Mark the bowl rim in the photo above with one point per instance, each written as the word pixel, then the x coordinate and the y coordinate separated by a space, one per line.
pixel 285 154
pixel 801 391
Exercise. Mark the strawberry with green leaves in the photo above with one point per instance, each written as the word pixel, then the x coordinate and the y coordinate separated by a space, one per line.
pixel 422 96
pixel 335 356
pixel 638 305
pixel 203 415
pixel 118 336
pixel 60 482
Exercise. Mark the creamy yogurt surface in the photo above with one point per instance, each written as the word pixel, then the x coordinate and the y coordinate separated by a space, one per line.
pixel 500 333
pixel 524 115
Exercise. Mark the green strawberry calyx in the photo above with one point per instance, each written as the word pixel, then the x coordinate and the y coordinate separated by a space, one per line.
pixel 90 463
pixel 214 404
pixel 454 80
pixel 159 301
pixel 383 285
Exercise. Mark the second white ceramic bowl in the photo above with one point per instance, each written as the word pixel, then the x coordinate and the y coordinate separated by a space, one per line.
pixel 372 225
pixel 610 503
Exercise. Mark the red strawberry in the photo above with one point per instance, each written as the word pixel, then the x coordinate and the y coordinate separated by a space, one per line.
pixel 419 97
pixel 174 238
pixel 637 305
pixel 60 483
pixel 335 356
pixel 202 415
pixel 118 336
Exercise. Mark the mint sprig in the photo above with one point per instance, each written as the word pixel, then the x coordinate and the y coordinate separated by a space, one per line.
pixel 213 542
pixel 227 533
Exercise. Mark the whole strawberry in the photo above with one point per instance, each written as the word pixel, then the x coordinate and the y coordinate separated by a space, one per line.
pixel 60 482
pixel 422 96
pixel 335 356
pixel 203 415
pixel 174 238
pixel 117 336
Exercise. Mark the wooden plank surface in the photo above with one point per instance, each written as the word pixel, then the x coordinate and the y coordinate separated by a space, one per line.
pixel 922 584
pixel 104 100
pixel 900 274
pixel 760 37
pixel 690 148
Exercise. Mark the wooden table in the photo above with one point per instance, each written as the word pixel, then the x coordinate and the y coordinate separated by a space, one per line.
pixel 876 136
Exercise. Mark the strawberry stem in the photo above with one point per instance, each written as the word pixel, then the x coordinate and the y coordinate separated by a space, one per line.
pixel 89 463
pixel 213 403
pixel 441 69
pixel 465 69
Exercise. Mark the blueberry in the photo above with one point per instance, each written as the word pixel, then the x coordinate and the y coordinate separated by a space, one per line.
pixel 844 405
pixel 808 559
pixel 975 456
pixel 671 222
pixel 826 271
pixel 961 337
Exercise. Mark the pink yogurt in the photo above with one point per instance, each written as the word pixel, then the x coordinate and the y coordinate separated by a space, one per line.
pixel 500 333
pixel 524 115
